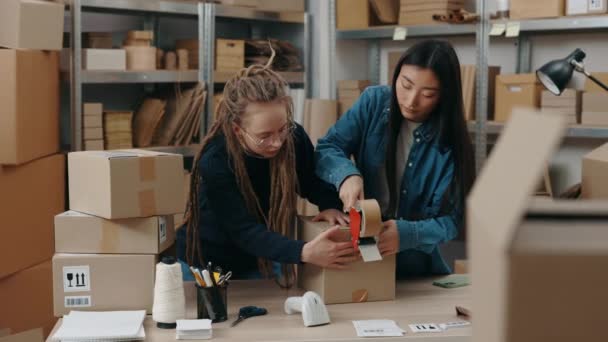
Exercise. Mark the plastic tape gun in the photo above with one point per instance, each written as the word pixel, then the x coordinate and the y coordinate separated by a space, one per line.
pixel 365 226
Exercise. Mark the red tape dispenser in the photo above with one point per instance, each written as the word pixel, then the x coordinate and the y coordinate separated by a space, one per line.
pixel 365 226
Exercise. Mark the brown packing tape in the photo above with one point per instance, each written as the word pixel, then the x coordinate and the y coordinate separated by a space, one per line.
pixel 147 203
pixel 147 168
pixel 360 296
pixel 371 218
pixel 110 238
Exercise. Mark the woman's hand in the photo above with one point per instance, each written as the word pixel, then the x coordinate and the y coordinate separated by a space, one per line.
pixel 351 191
pixel 388 241
pixel 332 216
pixel 324 251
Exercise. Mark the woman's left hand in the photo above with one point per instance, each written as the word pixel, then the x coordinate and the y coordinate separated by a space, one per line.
pixel 333 216
pixel 388 242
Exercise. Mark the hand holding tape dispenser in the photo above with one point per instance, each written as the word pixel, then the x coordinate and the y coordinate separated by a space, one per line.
pixel 365 226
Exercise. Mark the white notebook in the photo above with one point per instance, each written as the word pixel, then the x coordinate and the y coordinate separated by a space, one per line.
pixel 193 329
pixel 101 326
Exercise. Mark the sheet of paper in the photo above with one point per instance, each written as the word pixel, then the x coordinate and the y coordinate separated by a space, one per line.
pixel 378 328
pixel 370 252
pixel 512 29
pixel 453 325
pixel 498 29
pixel 400 33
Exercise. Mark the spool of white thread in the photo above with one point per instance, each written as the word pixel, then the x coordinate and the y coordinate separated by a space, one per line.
pixel 169 299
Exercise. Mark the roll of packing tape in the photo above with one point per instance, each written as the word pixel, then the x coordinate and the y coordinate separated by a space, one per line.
pixel 371 218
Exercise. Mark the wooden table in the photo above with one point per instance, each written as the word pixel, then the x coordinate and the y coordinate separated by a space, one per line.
pixel 418 301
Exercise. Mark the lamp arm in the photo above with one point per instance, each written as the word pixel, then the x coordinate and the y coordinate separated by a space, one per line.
pixel 580 67
pixel 598 82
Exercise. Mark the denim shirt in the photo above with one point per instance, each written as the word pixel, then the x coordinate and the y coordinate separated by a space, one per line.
pixel 422 223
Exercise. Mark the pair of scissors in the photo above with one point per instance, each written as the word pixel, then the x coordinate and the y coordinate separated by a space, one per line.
pixel 224 278
pixel 247 312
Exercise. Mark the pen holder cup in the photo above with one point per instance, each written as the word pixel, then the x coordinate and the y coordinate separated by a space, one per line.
pixel 212 303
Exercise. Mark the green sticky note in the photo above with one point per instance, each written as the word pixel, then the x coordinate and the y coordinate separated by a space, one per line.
pixel 453 280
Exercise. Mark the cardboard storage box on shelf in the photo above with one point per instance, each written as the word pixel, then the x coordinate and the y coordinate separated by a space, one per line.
pixel 141 58
pixel 32 194
pixel 582 7
pixel 567 104
pixel 33 335
pixel 530 254
pixel 516 90
pixel 230 54
pixel 524 9
pixel 359 14
pixel 104 59
pixel 126 183
pixel 27 298
pixel 92 121
pixel 103 282
pixel 242 3
pixel 118 129
pixel 31 24
pixel 592 87
pixel 469 82
pixel 595 109
pixel 349 92
pixel 94 145
pixel 92 108
pixel 190 45
pixel 94 133
pixel 421 13
pixel 594 183
pixel 82 233
pixel 29 105
pixel 362 281
pixel 97 40
pixel 282 5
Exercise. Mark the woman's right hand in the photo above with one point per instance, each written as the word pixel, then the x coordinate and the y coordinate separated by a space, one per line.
pixel 325 252
pixel 351 191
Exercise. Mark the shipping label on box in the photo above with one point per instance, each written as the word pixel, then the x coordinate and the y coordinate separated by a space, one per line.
pixel 81 233
pixel 361 282
pixel 126 183
pixel 102 282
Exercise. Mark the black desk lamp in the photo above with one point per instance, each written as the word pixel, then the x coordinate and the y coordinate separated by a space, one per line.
pixel 556 74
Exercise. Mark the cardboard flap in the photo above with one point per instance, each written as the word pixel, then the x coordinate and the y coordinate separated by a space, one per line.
pixel 600 153
pixel 496 205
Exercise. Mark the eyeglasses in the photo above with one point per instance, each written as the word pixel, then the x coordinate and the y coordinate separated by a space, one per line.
pixel 267 142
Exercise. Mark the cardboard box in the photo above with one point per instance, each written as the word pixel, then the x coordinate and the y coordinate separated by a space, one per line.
pixel 591 87
pixel 516 90
pixel 92 121
pixel 92 108
pixel 126 184
pixel 595 109
pixel 242 3
pixel 387 11
pixel 81 233
pixel 282 5
pixel 111 282
pixel 354 84
pixel 469 90
pixel 577 7
pixel 421 13
pixel 32 194
pixel 141 58
pixel 319 116
pixel 104 59
pixel 31 24
pixel 97 40
pixel 27 73
pixel 361 282
pixel 27 298
pixel 597 6
pixel 524 9
pixel 353 14
pixel 34 335
pixel 519 157
pixel 569 104
pixel 94 145
pixel 595 168
pixel 140 35
pixel 230 54
pixel 95 133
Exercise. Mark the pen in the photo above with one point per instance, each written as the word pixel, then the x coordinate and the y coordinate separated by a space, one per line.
pixel 207 278
pixel 197 277
pixel 210 271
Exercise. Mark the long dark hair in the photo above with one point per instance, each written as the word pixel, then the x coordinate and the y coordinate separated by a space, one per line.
pixel 447 117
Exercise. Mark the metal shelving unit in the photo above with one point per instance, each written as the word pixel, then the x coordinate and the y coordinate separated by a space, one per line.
pixel 151 10
pixel 481 127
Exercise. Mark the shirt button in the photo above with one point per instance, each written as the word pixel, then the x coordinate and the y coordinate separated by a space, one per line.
pixel 410 164
pixel 404 192
pixel 417 139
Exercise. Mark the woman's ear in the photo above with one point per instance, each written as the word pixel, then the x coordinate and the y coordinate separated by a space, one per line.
pixel 236 129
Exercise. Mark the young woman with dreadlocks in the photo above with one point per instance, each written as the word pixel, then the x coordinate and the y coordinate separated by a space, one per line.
pixel 253 163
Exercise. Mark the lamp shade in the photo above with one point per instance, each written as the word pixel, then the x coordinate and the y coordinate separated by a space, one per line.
pixel 556 74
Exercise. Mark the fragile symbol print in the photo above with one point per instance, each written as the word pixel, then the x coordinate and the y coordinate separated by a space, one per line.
pixel 76 279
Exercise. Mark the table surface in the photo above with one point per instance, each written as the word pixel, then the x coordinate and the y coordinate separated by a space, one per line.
pixel 417 301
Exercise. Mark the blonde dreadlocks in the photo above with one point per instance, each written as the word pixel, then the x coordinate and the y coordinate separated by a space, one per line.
pixel 256 83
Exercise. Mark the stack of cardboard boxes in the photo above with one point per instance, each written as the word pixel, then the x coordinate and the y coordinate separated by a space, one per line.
pixel 118 131
pixel 349 92
pixel 567 104
pixel 417 12
pixel 32 172
pixel 595 102
pixel 229 54
pixel 92 126
pixel 107 245
pixel 140 53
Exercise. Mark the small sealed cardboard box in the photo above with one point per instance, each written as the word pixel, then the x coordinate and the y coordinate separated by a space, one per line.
pixel 537 265
pixel 355 14
pixel 92 108
pixel 29 105
pixel 524 9
pixel 361 282
pixel 103 282
pixel 104 59
pixel 595 109
pixel 516 90
pixel 31 24
pixel 125 183
pixel 81 233
pixel 27 299
pixel 31 195
pixel 595 169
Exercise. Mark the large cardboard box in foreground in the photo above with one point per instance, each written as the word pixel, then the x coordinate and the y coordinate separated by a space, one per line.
pixel 103 282
pixel 126 183
pixel 31 24
pixel 361 282
pixel 29 105
pixel 82 233
pixel 31 195
pixel 26 299
pixel 538 266
pixel 595 174
pixel 34 335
